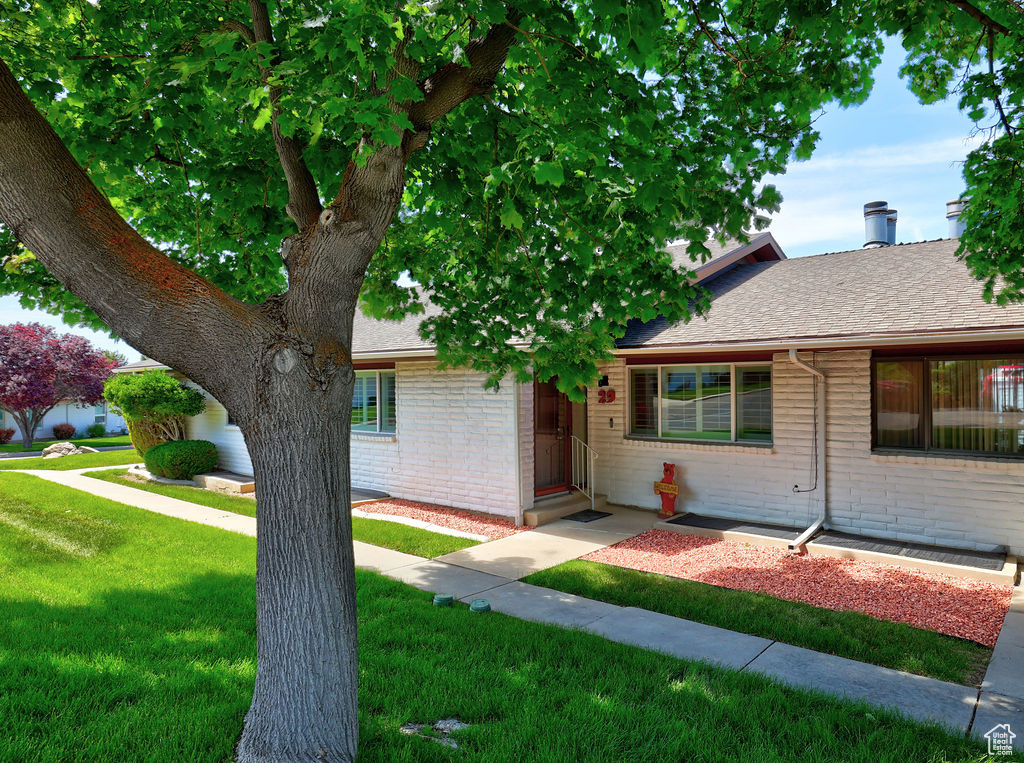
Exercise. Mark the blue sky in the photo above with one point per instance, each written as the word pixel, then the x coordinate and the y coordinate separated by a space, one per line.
pixel 890 148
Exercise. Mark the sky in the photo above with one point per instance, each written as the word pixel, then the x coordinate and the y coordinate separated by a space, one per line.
pixel 890 148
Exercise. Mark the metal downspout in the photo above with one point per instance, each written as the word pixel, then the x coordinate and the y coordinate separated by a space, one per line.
pixel 517 392
pixel 821 436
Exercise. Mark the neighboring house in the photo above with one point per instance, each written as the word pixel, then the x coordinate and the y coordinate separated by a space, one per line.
pixel 873 388
pixel 80 417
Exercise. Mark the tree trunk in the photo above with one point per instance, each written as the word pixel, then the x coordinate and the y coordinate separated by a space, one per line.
pixel 304 703
pixel 28 422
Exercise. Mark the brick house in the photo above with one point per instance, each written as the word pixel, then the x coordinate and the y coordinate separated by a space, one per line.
pixel 873 390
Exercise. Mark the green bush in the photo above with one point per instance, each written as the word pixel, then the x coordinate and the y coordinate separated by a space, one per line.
pixel 181 459
pixel 143 436
pixel 154 405
pixel 96 430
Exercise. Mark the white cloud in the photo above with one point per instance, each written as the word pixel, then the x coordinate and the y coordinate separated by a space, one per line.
pixel 897 156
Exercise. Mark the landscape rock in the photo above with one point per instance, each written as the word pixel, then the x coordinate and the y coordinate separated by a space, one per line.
pixel 87 449
pixel 59 449
pixel 444 727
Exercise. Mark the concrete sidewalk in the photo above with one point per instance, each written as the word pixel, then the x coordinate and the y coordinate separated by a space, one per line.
pixel 493 575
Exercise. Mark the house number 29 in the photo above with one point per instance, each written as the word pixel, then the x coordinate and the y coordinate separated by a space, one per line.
pixel 606 396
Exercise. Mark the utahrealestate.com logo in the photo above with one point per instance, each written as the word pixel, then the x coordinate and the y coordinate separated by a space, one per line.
pixel 1000 740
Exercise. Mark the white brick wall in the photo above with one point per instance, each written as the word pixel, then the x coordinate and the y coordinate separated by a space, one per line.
pixel 746 482
pixel 526 473
pixel 455 443
pixel 963 502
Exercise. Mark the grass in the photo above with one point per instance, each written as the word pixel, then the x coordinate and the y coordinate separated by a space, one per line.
pixel 92 442
pixel 84 461
pixel 847 634
pixel 410 540
pixel 130 636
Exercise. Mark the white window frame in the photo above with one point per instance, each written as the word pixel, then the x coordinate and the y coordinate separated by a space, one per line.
pixel 97 416
pixel 732 401
pixel 380 406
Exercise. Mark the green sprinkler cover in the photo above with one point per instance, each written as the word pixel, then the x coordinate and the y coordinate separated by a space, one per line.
pixel 443 599
pixel 480 605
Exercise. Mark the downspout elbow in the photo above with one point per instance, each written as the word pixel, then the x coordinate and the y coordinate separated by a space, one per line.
pixel 804 365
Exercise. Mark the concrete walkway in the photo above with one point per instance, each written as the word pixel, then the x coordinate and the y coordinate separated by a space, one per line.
pixel 1002 692
pixel 493 575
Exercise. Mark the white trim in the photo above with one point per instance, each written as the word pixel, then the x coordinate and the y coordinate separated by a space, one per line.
pixel 723 262
pixel 379 394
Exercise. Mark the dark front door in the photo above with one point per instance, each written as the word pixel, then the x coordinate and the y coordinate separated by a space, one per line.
pixel 552 422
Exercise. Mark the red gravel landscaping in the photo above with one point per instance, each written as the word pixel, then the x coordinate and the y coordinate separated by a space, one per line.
pixel 494 528
pixel 954 606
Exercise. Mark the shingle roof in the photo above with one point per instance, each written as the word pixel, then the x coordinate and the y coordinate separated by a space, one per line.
pixel 146 364
pixel 890 291
pixel 372 336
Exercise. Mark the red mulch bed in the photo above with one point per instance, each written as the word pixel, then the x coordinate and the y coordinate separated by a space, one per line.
pixel 494 528
pixel 954 606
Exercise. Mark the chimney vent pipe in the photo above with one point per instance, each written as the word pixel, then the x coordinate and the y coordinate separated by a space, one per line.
pixel 890 227
pixel 953 211
pixel 876 224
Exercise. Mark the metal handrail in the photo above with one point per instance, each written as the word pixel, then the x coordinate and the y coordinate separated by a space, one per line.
pixel 583 457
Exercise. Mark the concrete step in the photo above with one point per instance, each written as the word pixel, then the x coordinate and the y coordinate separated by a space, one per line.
pixel 226 482
pixel 549 509
pixel 749 533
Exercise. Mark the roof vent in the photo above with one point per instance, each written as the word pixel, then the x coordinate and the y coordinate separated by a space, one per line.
pixel 877 224
pixel 890 227
pixel 953 211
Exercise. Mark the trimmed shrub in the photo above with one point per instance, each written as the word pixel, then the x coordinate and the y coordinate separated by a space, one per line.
pixel 143 436
pixel 181 459
pixel 96 430
pixel 6 435
pixel 63 431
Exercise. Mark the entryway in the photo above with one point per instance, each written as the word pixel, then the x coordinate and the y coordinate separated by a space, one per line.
pixel 556 421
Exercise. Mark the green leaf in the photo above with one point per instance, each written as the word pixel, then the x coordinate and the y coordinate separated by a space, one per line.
pixel 549 172
pixel 510 217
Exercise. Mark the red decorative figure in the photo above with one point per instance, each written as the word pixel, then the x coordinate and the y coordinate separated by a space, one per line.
pixel 668 490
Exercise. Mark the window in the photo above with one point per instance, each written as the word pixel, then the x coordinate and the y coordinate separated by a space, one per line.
pixel 725 402
pixel 957 405
pixel 100 414
pixel 373 402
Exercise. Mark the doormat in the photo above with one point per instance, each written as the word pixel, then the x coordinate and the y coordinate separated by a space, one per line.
pixel 587 515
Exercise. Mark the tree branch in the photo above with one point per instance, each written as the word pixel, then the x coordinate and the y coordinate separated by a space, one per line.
pixel 303 199
pixel 160 307
pixel 992 71
pixel 454 83
pixel 979 15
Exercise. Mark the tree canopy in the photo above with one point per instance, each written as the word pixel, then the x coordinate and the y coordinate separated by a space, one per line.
pixel 542 212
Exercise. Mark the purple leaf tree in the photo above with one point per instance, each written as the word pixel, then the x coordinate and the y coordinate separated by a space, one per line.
pixel 39 369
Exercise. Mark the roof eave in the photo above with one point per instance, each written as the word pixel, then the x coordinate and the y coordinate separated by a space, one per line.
pixel 833 342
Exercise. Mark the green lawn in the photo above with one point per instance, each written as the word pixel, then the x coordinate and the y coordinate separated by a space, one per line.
pixel 411 540
pixel 848 634
pixel 84 461
pixel 130 636
pixel 92 442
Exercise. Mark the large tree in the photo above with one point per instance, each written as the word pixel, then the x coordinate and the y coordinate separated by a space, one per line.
pixel 40 369
pixel 219 182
